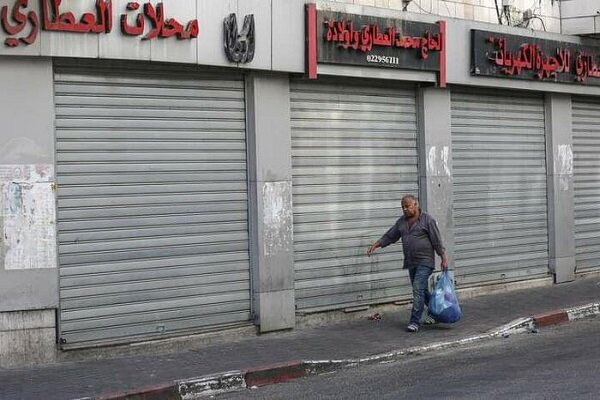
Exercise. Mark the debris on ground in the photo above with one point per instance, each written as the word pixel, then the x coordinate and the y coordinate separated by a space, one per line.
pixel 374 317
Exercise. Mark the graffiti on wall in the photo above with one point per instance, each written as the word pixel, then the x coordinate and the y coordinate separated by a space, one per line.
pixel 28 218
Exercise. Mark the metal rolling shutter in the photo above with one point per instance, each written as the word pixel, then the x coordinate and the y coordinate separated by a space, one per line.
pixel 586 168
pixel 152 202
pixel 499 182
pixel 353 156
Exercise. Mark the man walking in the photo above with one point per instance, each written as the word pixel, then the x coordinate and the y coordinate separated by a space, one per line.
pixel 420 238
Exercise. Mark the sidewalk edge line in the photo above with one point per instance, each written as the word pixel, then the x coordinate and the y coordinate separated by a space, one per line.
pixel 274 373
pixel 229 381
pixel 520 325
pixel 585 311
pixel 208 385
pixel 316 367
pixel 165 390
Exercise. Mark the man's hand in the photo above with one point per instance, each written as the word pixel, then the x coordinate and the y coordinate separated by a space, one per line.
pixel 444 263
pixel 372 248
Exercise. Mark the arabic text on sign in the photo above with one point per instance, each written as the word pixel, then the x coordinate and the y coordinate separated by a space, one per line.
pixel 345 35
pixel 586 67
pixel 160 26
pixel 16 21
pixel 54 20
pixel 530 57
pixel 20 20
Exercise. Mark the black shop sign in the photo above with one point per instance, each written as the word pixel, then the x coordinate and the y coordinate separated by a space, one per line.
pixel 527 58
pixel 350 39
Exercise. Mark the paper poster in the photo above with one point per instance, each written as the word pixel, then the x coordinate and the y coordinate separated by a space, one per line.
pixel 28 216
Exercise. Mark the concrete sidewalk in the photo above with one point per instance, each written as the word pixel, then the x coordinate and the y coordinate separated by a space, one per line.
pixel 271 358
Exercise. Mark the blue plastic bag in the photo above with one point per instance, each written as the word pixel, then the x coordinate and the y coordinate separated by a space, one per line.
pixel 443 306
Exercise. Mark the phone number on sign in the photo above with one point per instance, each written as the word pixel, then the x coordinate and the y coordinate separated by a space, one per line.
pixel 371 58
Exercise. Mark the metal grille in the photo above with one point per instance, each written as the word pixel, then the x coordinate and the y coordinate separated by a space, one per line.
pixel 353 156
pixel 152 202
pixel 499 183
pixel 586 169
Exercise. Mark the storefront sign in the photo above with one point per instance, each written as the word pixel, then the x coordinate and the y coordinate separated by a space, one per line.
pixel 24 24
pixel 379 42
pixel 520 57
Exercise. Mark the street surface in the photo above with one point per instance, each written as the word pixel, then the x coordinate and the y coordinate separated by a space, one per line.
pixel 560 362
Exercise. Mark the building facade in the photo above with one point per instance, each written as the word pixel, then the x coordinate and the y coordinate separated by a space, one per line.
pixel 175 168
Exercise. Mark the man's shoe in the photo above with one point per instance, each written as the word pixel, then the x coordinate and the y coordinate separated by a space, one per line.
pixel 412 327
pixel 429 321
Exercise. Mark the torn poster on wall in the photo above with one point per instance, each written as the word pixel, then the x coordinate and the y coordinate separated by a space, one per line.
pixel 28 218
pixel 277 221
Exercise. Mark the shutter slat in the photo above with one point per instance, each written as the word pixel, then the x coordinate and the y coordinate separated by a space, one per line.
pixel 353 158
pixel 152 201
pixel 586 170
pixel 499 186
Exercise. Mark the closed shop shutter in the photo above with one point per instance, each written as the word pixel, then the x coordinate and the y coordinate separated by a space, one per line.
pixel 586 168
pixel 499 183
pixel 353 156
pixel 152 202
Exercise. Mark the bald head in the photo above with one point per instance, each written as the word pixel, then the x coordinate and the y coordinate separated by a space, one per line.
pixel 410 197
pixel 410 206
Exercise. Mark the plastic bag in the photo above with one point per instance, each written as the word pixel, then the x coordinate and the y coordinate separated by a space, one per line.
pixel 443 306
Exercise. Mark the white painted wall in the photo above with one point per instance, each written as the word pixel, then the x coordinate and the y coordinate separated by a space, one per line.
pixel 547 11
pixel 28 273
pixel 580 17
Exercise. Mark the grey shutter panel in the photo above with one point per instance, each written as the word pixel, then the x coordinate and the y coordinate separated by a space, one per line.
pixel 353 158
pixel 586 168
pixel 152 201
pixel 499 183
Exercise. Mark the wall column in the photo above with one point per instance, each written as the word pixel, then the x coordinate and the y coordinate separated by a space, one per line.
pixel 435 162
pixel 28 264
pixel 561 211
pixel 270 191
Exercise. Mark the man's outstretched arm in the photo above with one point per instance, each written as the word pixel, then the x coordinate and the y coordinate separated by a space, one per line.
pixel 373 247
pixel 391 236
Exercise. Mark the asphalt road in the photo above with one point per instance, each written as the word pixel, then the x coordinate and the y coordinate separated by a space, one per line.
pixel 561 362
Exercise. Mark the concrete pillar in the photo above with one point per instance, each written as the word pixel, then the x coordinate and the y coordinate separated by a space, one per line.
pixel 28 276
pixel 435 161
pixel 28 263
pixel 270 179
pixel 27 338
pixel 561 211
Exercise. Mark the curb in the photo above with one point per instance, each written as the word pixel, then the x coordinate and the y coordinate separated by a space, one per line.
pixel 208 385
